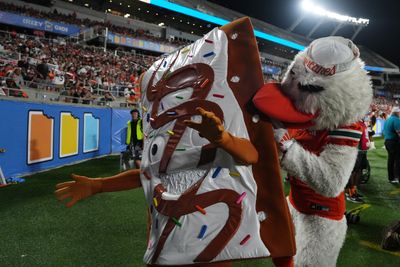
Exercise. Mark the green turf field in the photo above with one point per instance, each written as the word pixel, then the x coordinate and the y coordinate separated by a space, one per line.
pixel 110 229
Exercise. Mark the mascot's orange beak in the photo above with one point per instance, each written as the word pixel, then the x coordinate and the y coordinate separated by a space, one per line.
pixel 273 103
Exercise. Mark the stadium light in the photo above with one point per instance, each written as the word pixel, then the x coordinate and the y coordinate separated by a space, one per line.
pixel 320 11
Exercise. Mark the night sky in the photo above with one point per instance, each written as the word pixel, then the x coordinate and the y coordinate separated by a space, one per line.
pixel 382 35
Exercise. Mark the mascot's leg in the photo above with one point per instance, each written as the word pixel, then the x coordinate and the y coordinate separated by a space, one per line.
pixel 318 240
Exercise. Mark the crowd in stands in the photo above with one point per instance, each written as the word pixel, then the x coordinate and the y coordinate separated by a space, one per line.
pixel 73 70
pixel 392 88
pixel 381 107
pixel 73 19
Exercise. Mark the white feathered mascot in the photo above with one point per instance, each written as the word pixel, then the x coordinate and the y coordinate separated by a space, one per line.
pixel 324 94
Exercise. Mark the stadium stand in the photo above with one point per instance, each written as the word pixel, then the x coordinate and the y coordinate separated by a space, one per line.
pixel 72 70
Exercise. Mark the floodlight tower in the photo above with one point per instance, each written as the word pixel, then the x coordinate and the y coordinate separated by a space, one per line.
pixel 309 7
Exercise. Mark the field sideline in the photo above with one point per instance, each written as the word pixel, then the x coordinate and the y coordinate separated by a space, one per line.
pixel 110 229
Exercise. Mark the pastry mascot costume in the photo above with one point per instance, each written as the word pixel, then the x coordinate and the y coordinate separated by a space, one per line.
pixel 210 169
pixel 324 93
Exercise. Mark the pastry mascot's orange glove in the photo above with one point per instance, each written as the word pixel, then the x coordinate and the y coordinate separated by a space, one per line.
pixel 83 187
pixel 242 150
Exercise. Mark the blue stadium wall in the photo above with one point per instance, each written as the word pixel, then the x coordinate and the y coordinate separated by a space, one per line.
pixel 40 136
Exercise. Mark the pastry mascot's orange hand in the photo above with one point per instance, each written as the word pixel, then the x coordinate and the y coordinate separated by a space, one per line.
pixel 83 187
pixel 80 188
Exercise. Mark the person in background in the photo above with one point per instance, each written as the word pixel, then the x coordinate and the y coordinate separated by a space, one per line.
pixel 351 191
pixel 87 96
pixel 134 137
pixel 108 97
pixel 391 133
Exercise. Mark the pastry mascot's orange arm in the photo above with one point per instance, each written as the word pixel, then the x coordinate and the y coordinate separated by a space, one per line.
pixel 82 187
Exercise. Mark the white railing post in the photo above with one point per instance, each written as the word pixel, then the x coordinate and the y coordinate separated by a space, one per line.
pixel 105 40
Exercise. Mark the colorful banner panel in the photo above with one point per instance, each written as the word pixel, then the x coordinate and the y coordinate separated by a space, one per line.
pixel 137 43
pixel 267 69
pixel 120 118
pixel 90 133
pixel 38 24
pixel 69 135
pixel 40 137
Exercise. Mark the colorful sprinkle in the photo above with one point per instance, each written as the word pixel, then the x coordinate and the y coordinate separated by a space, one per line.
pixel 151 208
pixel 170 132
pixel 202 232
pixel 154 91
pixel 235 174
pixel 168 73
pixel 176 221
pixel 144 108
pixel 184 51
pixel 244 241
pixel 148 117
pixel 190 56
pixel 201 209
pixel 151 136
pixel 208 41
pixel 241 197
pixel 204 83
pixel 179 97
pixel 165 64
pixel 218 95
pixel 155 202
pixel 216 172
pixel 171 113
pixel 180 149
pixel 152 119
pixel 156 223
pixel 162 106
pixel 209 54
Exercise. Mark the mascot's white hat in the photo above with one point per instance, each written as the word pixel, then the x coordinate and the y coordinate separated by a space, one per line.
pixel 330 55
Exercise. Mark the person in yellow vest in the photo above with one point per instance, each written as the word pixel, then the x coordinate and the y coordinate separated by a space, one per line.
pixel 134 137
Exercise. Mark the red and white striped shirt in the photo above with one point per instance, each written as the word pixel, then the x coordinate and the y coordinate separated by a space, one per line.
pixel 302 197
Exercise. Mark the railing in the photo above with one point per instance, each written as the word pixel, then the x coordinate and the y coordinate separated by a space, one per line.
pixel 45 96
